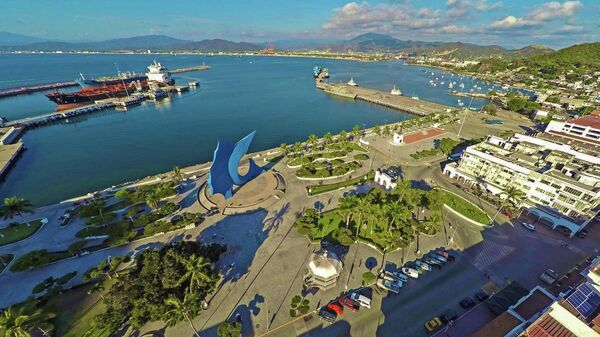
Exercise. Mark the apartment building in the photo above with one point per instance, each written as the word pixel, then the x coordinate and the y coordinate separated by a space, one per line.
pixel 560 182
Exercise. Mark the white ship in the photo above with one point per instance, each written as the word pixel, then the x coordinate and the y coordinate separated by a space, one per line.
pixel 159 74
pixel 395 91
pixel 352 83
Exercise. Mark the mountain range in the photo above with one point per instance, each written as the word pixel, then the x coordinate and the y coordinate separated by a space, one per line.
pixel 369 42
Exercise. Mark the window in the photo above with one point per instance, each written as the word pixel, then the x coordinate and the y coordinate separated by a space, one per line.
pixel 572 191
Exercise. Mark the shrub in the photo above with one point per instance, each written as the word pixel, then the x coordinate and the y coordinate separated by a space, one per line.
pixel 66 278
pixel 368 277
pixel 37 258
pixel 42 286
pixel 77 246
pixel 296 300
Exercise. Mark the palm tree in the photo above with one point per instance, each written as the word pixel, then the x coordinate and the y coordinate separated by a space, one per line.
pixel 373 212
pixel 513 195
pixel 401 189
pixel 343 137
pixel 176 175
pixel 386 130
pixel 376 197
pixel 97 288
pixel 328 138
pixel 346 207
pixel 433 221
pixel 15 206
pixel 298 148
pixel 181 310
pixel 195 267
pixel 422 203
pixel 17 323
pixel 396 212
pixel 377 129
pixel 356 132
pixel 361 205
pixel 283 148
pixel 312 140
pixel 153 200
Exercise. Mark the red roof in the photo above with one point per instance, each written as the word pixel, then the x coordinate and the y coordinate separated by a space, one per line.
pixel 591 121
pixel 546 326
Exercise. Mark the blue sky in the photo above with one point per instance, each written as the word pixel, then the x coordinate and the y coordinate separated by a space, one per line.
pixel 512 23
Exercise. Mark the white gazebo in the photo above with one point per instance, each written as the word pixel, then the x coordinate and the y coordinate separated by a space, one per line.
pixel 324 268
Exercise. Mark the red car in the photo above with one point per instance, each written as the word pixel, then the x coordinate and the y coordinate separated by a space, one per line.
pixel 349 303
pixel 338 309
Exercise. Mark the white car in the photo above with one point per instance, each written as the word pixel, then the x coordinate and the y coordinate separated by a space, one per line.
pixel 361 299
pixel 410 272
pixel 528 226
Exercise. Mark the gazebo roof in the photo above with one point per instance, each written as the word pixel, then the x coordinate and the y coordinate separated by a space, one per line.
pixel 324 264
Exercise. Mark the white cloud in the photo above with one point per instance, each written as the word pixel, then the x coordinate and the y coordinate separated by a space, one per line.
pixel 544 13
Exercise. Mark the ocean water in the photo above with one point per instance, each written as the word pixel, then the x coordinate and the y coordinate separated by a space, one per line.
pixel 275 96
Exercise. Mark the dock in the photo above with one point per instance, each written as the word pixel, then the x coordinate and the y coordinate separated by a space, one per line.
pixel 58 85
pixel 188 69
pixel 401 103
pixel 8 155
pixel 33 88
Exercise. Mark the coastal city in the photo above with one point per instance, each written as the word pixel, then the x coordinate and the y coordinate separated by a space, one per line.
pixel 314 169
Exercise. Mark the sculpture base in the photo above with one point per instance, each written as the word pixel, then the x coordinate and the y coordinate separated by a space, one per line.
pixel 260 192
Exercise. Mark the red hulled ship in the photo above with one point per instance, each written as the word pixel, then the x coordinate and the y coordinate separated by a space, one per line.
pixel 89 95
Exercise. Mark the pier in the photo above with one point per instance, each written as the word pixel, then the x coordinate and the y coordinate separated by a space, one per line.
pixel 33 88
pixel 401 103
pixel 58 85
pixel 8 155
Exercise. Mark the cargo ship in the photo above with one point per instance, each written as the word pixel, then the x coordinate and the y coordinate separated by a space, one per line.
pixel 104 81
pixel 89 95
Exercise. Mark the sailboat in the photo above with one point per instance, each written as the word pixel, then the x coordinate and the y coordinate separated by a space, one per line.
pixel 395 91
pixel 352 83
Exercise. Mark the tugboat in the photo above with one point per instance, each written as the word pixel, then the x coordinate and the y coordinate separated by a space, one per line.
pixel 395 91
pixel 317 71
pixel 352 83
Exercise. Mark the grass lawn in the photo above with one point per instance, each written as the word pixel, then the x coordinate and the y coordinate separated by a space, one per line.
pixel 336 171
pixel 318 189
pixel 349 146
pixel 75 311
pixel 361 156
pixel 464 207
pixel 37 258
pixel 311 157
pixel 18 231
pixel 117 206
pixel 5 260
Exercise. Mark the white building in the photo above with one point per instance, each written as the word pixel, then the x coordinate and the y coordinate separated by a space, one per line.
pixel 324 269
pixel 387 177
pixel 585 129
pixel 560 182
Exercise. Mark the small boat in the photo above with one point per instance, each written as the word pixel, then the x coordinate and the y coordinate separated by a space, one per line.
pixel 352 83
pixel 415 97
pixel 395 91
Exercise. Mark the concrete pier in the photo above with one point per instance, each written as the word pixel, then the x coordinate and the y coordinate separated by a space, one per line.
pixel 401 103
pixel 8 155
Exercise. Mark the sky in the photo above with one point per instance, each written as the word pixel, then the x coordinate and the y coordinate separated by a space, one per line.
pixel 511 23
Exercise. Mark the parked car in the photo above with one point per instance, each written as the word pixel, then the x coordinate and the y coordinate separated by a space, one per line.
pixel 434 324
pixel 338 309
pixel 388 285
pixel 528 226
pixel 482 296
pixel 398 275
pixel 349 303
pixel 410 272
pixel 449 316
pixel 467 303
pixel 438 257
pixel 423 265
pixel 212 211
pixel 445 254
pixel 327 315
pixel 363 300
pixel 433 262
pixel 549 276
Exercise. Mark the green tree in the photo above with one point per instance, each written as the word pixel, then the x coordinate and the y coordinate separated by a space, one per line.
pixel 328 138
pixel 356 132
pixel 97 288
pixel 124 194
pixel 15 206
pixel 402 188
pixel 387 131
pixel 361 204
pixel 397 213
pixel 153 200
pixel 312 140
pixel 177 175
pixel 283 148
pixel 19 323
pixel 229 329
pixel 346 208
pixel 343 137
pixel 197 271
pixel 180 310
pixel 377 129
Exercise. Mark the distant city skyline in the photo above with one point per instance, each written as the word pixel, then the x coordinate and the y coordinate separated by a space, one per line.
pixel 509 23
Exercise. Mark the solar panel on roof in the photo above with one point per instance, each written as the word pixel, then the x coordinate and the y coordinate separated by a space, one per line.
pixel 585 299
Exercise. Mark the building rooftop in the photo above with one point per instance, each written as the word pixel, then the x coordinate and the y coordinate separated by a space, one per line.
pixel 499 327
pixel 535 303
pixel 547 326
pixel 587 121
pixel 324 264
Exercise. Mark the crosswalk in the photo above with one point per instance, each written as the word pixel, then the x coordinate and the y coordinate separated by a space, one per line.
pixel 488 253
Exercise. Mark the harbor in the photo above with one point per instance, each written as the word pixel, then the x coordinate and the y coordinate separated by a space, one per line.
pixel 405 104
